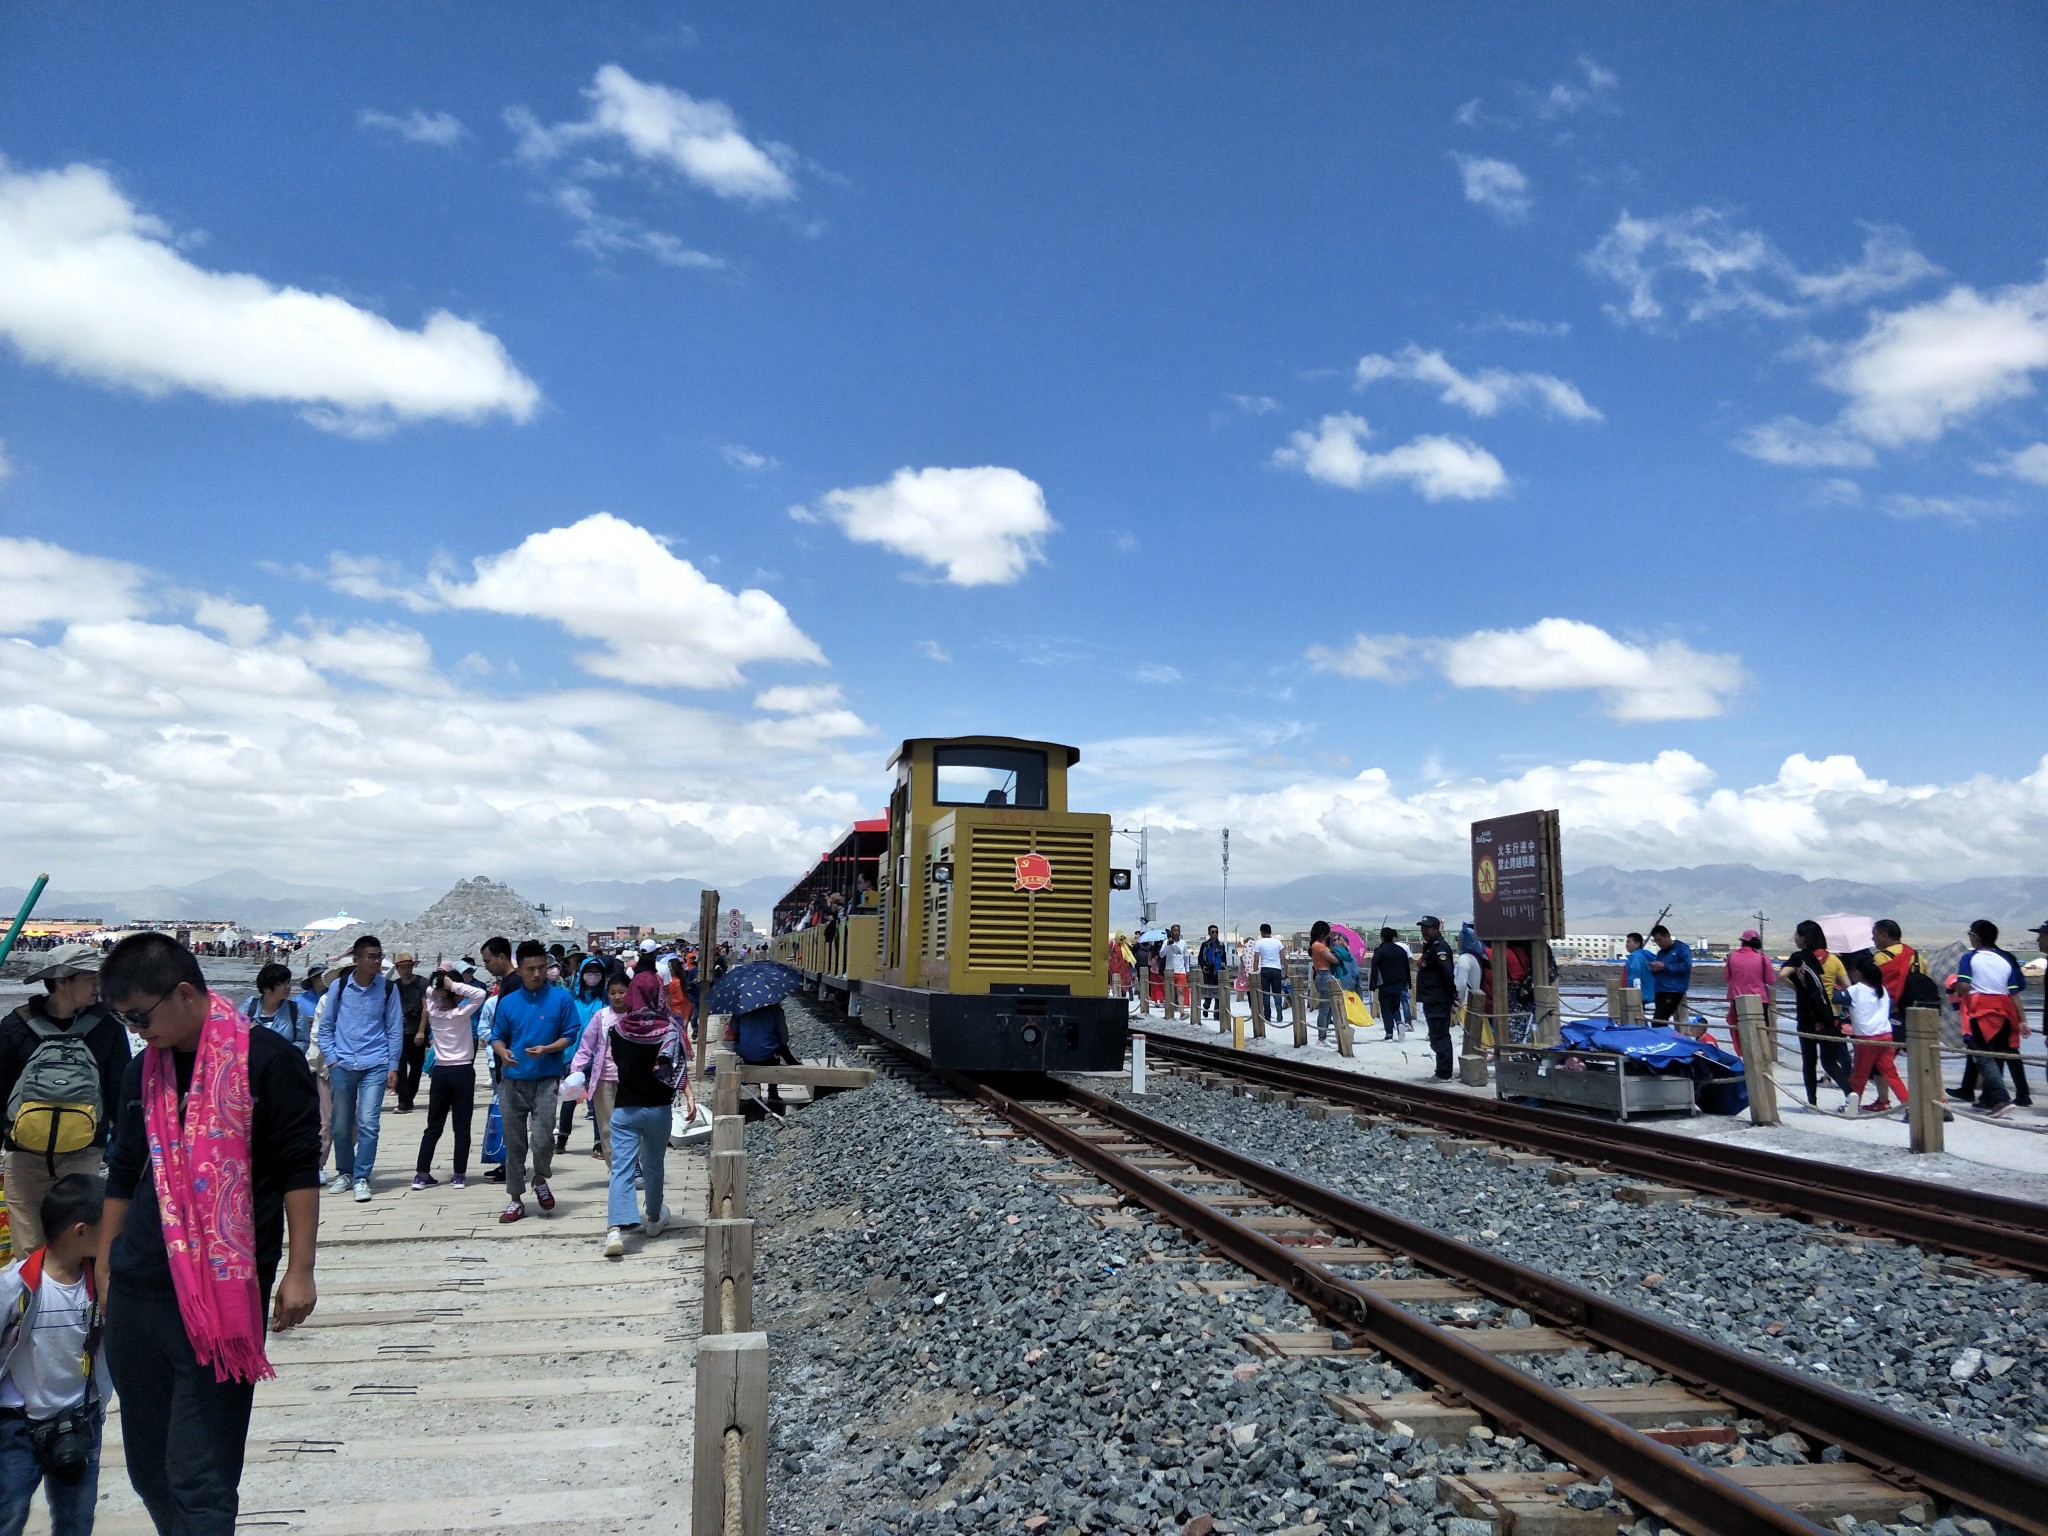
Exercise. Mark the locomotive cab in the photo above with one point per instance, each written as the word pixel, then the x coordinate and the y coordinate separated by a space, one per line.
pixel 995 908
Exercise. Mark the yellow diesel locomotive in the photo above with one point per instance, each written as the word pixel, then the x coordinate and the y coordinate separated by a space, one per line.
pixel 969 923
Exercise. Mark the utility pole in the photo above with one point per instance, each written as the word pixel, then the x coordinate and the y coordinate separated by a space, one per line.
pixel 1147 909
pixel 1760 921
pixel 1226 883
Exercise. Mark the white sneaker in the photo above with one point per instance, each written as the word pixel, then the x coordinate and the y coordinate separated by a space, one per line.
pixel 655 1224
pixel 362 1190
pixel 338 1185
pixel 614 1244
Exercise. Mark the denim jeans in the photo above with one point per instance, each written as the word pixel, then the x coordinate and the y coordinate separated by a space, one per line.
pixel 639 1145
pixel 358 1111
pixel 71 1504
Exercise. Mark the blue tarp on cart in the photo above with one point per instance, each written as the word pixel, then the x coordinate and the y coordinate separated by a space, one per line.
pixel 1722 1090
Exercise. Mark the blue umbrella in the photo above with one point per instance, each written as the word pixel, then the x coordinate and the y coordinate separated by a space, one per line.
pixel 757 984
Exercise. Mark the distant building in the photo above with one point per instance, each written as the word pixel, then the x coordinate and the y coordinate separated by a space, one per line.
pixel 61 927
pixel 1589 946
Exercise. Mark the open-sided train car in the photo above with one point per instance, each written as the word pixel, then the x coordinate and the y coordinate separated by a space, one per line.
pixel 969 922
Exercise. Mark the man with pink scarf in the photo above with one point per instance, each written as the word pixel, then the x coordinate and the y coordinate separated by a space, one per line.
pixel 216 1148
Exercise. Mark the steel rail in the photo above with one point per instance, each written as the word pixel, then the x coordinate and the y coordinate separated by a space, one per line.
pixel 1993 1227
pixel 1681 1491
pixel 1984 1479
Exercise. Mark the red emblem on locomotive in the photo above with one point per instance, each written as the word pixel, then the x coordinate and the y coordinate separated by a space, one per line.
pixel 1034 872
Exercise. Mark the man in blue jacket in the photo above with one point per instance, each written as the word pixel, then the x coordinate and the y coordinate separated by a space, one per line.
pixel 1673 970
pixel 362 1030
pixel 1636 968
pixel 531 1033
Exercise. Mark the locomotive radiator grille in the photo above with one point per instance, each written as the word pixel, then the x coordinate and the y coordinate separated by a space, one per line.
pixel 1020 932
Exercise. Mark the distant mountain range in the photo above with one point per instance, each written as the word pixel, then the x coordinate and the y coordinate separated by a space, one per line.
pixel 1713 901
pixel 262 903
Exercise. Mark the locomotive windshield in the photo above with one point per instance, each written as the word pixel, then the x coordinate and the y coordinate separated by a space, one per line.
pixel 1005 776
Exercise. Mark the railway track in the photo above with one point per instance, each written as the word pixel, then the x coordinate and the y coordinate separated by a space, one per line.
pixel 1961 1221
pixel 1332 1253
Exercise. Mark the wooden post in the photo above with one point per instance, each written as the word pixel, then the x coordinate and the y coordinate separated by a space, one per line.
pixel 1630 1010
pixel 729 1133
pixel 1549 1015
pixel 725 1083
pixel 728 1275
pixel 1237 1024
pixel 1926 1102
pixel 1255 998
pixel 1297 988
pixel 1614 1001
pixel 731 1462
pixel 1343 1022
pixel 707 950
pixel 728 1185
pixel 1753 1029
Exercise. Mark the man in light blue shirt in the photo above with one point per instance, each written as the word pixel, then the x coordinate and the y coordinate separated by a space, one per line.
pixel 362 1038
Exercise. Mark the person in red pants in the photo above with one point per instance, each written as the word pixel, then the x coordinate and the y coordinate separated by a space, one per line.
pixel 1870 1028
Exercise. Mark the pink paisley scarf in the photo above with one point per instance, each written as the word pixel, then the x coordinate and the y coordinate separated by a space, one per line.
pixel 205 1193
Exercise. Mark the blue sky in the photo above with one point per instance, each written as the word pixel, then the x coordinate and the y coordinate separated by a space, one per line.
pixel 1341 423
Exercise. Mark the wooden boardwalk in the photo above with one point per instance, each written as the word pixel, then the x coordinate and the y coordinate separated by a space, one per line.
pixel 458 1374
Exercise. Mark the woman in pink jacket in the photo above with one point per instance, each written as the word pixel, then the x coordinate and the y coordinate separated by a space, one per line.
pixel 1751 974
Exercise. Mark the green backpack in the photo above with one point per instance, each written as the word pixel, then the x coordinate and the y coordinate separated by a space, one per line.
pixel 55 1108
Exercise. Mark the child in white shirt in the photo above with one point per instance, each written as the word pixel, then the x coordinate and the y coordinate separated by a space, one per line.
pixel 53 1382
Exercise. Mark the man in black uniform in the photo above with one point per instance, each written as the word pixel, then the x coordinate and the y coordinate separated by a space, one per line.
pixel 1436 990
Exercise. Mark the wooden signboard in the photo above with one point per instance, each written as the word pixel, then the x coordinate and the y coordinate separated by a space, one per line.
pixel 1517 877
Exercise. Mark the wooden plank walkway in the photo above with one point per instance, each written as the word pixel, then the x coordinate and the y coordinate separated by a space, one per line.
pixel 465 1375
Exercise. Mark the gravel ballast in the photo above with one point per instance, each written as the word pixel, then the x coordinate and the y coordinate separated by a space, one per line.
pixel 956 1349
pixel 1881 1318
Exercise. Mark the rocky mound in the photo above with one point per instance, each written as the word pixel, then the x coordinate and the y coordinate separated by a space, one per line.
pixel 454 926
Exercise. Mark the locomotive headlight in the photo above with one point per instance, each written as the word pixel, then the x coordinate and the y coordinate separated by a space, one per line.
pixel 1030 1034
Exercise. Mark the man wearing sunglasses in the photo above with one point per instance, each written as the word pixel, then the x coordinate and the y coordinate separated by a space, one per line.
pixel 251 1125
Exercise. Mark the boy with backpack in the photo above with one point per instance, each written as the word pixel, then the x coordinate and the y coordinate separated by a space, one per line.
pixel 53 1383
pixel 274 1008
pixel 61 1060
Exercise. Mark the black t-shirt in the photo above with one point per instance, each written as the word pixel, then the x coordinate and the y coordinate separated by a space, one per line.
pixel 284 1154
pixel 410 995
pixel 639 1088
pixel 107 1041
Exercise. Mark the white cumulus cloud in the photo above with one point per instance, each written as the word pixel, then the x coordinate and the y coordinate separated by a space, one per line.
pixel 43 583
pixel 661 621
pixel 1665 681
pixel 440 129
pixel 984 526
pixel 143 750
pixel 699 140
pixel 1918 371
pixel 1496 185
pixel 1914 374
pixel 1483 393
pixel 93 286
pixel 1821 815
pixel 1436 468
